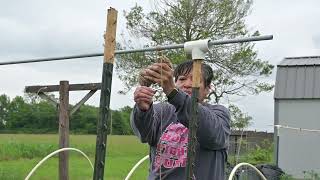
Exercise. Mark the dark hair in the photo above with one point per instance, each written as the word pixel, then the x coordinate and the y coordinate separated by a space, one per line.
pixel 186 67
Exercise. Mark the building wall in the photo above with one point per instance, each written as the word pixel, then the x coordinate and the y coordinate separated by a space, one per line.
pixel 298 151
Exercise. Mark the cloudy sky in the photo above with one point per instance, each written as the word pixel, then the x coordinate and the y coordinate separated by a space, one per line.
pixel 36 28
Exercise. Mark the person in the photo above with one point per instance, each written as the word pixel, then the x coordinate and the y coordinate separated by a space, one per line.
pixel 164 126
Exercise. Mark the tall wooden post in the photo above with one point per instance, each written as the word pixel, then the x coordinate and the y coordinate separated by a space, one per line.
pixel 64 113
pixel 63 129
pixel 104 117
pixel 193 124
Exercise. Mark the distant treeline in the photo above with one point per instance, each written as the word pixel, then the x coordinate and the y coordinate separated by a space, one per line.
pixel 30 114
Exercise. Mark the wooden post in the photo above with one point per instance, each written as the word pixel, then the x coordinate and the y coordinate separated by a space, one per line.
pixel 105 96
pixel 63 129
pixel 64 113
pixel 193 123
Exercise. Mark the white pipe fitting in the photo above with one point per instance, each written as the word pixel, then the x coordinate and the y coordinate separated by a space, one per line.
pixel 234 170
pixel 136 166
pixel 52 154
pixel 198 48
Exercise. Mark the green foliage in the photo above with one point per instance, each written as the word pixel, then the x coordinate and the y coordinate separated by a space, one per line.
pixel 308 175
pixel 84 120
pixel 121 121
pixel 13 150
pixel 239 120
pixel 261 154
pixel 238 71
pixel 311 175
pixel 286 177
pixel 32 115
pixel 23 115
pixel 4 109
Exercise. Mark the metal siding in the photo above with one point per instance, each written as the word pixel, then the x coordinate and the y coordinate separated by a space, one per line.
pixel 300 82
pixel 309 82
pixel 299 150
pixel 298 78
pixel 300 61
pixel 316 92
pixel 277 84
pixel 275 135
pixel 281 82
pixel 291 82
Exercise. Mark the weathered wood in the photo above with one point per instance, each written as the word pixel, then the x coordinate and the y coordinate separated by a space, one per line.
pixel 48 98
pixel 83 100
pixel 63 129
pixel 110 36
pixel 193 122
pixel 53 88
pixel 101 142
pixel 196 72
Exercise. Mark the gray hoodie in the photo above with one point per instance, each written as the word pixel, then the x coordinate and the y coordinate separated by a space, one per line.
pixel 165 128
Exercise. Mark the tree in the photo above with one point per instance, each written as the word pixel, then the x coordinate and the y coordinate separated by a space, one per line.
pixel 125 113
pixel 45 116
pixel 121 121
pixel 239 120
pixel 85 119
pixel 238 71
pixel 4 110
pixel 20 114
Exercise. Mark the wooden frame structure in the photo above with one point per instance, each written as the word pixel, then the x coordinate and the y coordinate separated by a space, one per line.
pixel 64 113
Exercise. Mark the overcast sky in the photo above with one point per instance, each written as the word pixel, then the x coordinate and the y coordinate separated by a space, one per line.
pixel 36 28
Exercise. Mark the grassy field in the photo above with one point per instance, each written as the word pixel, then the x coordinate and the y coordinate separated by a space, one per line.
pixel 19 153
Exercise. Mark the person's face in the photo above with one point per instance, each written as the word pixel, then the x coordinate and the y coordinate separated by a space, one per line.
pixel 184 83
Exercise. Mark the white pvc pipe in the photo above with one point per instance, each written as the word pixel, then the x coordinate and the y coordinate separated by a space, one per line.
pixel 53 153
pixel 245 164
pixel 136 166
pixel 198 48
pixel 234 170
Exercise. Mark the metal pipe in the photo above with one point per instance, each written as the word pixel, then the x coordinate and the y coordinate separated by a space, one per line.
pixel 241 40
pixel 157 48
pixel 62 58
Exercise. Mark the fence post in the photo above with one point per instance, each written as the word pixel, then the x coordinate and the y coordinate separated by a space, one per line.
pixel 63 129
pixel 105 96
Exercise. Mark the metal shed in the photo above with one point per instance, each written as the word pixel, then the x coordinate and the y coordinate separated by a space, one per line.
pixel 297 105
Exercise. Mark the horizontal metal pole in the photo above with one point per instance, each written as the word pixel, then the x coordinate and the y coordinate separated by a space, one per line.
pixel 157 48
pixel 241 40
pixel 62 58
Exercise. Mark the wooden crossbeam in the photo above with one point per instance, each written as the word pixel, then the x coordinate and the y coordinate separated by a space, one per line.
pixel 54 88
pixel 83 100
pixel 54 102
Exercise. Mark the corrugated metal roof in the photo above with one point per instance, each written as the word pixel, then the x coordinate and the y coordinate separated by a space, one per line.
pixel 298 78
pixel 301 61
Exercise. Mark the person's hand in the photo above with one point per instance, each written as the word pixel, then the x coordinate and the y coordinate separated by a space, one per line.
pixel 162 74
pixel 143 97
pixel 146 82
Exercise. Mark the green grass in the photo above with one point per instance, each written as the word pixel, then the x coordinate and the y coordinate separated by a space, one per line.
pixel 19 153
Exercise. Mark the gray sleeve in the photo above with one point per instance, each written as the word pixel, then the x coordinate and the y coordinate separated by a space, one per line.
pixel 144 125
pixel 214 128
